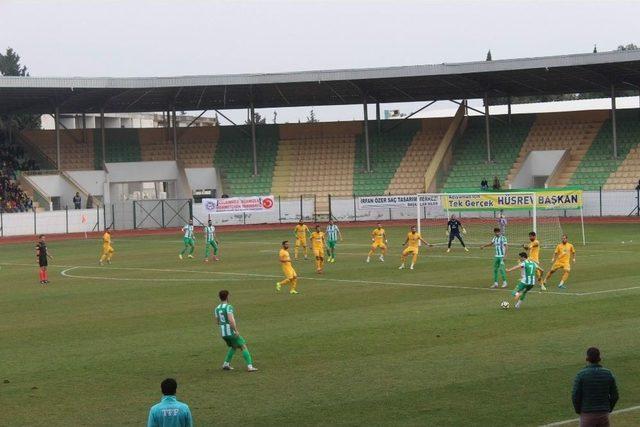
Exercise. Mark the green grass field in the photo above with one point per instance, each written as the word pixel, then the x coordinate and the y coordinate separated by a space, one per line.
pixel 364 344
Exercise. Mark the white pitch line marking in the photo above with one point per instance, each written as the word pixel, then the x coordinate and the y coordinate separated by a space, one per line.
pixel 65 273
pixel 575 420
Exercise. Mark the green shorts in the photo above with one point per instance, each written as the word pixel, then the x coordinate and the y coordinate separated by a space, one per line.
pixel 522 287
pixel 331 244
pixel 235 341
pixel 188 242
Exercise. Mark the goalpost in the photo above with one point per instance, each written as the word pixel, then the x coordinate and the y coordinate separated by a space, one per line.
pixel 515 213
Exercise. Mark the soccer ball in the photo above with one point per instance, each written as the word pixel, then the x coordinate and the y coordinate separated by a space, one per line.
pixel 504 305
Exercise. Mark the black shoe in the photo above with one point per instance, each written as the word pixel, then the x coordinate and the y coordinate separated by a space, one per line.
pixel 46 282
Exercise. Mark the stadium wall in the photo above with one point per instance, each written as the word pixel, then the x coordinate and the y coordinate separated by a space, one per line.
pixel 155 214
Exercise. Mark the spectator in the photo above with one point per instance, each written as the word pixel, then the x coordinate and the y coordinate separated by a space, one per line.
pixel 77 201
pixel 89 201
pixel 169 412
pixel 484 184
pixel 595 392
pixel 638 186
pixel 496 183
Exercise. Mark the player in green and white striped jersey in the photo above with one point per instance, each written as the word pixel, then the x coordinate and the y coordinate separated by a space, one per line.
pixel 499 243
pixel 189 240
pixel 333 233
pixel 528 269
pixel 210 241
pixel 225 318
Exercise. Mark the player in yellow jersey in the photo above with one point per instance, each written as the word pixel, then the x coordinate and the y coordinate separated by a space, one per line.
pixel 290 276
pixel 533 249
pixel 318 245
pixel 301 231
pixel 562 260
pixel 379 239
pixel 107 249
pixel 413 247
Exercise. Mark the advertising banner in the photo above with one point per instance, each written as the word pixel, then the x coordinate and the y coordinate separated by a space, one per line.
pixel 238 204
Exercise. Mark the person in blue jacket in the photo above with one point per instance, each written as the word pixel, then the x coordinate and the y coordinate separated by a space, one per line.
pixel 169 412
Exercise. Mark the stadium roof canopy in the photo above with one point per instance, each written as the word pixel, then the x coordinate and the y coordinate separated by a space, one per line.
pixel 594 72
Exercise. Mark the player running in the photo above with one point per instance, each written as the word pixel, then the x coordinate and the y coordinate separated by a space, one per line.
pixel 43 257
pixel 290 276
pixel 301 231
pixel 107 249
pixel 533 250
pixel 210 241
pixel 499 242
pixel 225 318
pixel 562 260
pixel 333 233
pixel 318 245
pixel 188 239
pixel 528 269
pixel 413 239
pixel 453 231
pixel 379 239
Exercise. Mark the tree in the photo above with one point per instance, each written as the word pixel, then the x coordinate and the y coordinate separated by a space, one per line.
pixel 311 118
pixel 489 56
pixel 629 46
pixel 257 118
pixel 10 66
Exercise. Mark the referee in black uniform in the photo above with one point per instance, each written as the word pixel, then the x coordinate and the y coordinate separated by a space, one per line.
pixel 453 231
pixel 42 255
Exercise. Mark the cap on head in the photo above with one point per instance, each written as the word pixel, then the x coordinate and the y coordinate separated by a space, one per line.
pixel 169 387
pixel 593 355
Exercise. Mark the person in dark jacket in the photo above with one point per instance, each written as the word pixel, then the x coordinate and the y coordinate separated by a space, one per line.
pixel 595 392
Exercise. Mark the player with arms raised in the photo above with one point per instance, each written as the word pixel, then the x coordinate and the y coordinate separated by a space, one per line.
pixel 453 231
pixel 562 260
pixel 499 243
pixel 528 269
pixel 379 239
pixel 413 247
pixel 301 231
pixel 224 314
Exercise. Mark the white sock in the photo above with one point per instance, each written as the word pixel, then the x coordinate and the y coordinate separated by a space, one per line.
pixel 411 265
pixel 504 282
pixel 381 258
pixel 368 259
pixel 250 366
pixel 518 304
pixel 495 283
pixel 225 364
pixel 561 283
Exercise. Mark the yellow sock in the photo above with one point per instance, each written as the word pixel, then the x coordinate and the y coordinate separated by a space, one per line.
pixel 294 284
pixel 295 252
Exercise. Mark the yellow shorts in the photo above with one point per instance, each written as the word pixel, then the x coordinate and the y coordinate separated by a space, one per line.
pixel 106 249
pixel 288 271
pixel 561 265
pixel 410 250
pixel 380 245
pixel 318 252
pixel 301 242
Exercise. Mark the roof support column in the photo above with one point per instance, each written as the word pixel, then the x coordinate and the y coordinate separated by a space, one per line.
pixel 486 125
pixel 84 128
pixel 175 135
pixel 509 109
pixel 103 139
pixel 253 140
pixel 613 121
pixel 366 133
pixel 56 119
pixel 378 116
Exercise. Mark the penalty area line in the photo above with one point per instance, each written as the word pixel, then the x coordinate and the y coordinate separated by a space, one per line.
pixel 575 420
pixel 66 273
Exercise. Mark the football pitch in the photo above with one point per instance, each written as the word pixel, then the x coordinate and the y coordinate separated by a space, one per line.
pixel 363 344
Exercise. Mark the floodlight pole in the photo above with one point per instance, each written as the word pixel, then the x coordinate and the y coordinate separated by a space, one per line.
pixel 613 122
pixel 103 139
pixel 175 135
pixel 486 125
pixel 56 118
pixel 366 133
pixel 253 140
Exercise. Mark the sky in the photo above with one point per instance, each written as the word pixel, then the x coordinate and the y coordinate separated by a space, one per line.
pixel 183 37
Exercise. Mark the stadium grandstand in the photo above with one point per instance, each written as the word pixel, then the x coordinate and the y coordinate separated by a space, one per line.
pixel 309 167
